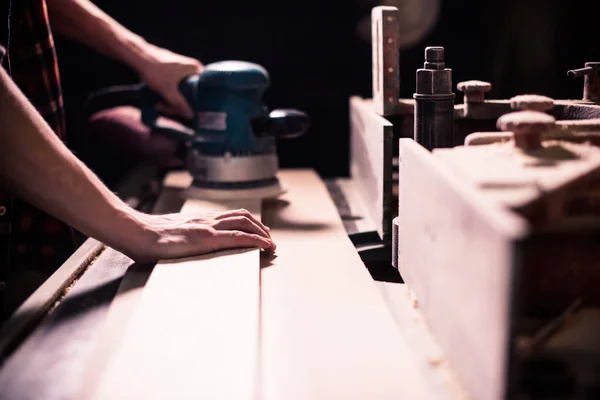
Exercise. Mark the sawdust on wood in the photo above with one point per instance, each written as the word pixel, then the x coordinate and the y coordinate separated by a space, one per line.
pixel 66 291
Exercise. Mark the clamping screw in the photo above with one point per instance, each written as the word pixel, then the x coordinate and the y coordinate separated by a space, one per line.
pixel 474 90
pixel 527 127
pixel 531 102
pixel 591 83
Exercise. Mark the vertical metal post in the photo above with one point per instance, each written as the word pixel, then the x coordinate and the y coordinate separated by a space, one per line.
pixel 434 102
pixel 386 62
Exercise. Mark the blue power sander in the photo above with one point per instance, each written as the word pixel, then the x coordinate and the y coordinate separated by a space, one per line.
pixel 232 138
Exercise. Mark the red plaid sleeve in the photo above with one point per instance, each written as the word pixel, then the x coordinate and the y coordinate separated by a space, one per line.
pixel 39 241
pixel 33 62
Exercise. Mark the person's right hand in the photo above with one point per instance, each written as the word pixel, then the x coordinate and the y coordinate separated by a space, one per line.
pixel 182 235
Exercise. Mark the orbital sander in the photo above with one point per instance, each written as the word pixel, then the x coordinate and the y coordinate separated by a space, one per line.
pixel 232 143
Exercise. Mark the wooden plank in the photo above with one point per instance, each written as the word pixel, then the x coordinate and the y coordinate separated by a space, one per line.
pixel 195 331
pixel 130 290
pixel 37 305
pixel 350 205
pixel 385 59
pixel 64 316
pixel 326 332
pixel 371 141
pixel 117 321
pixel 430 361
pixel 50 364
pixel 456 250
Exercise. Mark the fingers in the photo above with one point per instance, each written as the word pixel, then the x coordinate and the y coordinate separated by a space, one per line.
pixel 240 224
pixel 178 104
pixel 243 213
pixel 236 239
pixel 196 66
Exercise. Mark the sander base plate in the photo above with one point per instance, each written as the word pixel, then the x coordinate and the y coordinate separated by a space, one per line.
pixel 263 192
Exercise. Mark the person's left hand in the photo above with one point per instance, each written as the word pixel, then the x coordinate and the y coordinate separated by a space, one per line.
pixel 163 73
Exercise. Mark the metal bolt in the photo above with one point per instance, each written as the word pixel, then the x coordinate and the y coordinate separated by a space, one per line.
pixel 532 102
pixel 434 58
pixel 527 127
pixel 474 90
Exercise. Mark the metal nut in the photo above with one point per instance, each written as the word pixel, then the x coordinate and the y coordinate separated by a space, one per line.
pixel 533 102
pixel 527 127
pixel 2 211
pixel 474 90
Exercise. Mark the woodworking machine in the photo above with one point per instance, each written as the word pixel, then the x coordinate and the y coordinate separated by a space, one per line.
pixel 486 212
pixel 490 210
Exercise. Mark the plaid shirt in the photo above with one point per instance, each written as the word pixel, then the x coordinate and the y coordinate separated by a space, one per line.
pixel 34 239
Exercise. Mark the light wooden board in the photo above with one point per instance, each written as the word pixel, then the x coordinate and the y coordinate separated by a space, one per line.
pixel 371 141
pixel 117 321
pixel 50 363
pixel 456 252
pixel 130 291
pixel 357 209
pixel 36 305
pixel 430 361
pixel 326 332
pixel 194 333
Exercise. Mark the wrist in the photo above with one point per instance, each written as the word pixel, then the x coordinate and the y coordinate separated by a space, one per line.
pixel 137 236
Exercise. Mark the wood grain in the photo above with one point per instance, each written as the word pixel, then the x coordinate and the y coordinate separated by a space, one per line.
pixel 456 252
pixel 430 361
pixel 326 332
pixel 194 333
pixel 37 305
pixel 371 142
pixel 122 308
pixel 50 364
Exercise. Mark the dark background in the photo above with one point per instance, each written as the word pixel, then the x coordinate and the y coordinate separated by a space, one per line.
pixel 317 59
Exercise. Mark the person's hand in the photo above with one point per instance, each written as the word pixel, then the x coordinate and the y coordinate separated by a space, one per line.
pixel 182 235
pixel 163 71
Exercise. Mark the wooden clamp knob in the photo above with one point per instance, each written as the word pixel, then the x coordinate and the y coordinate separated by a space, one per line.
pixel 474 90
pixel 531 102
pixel 527 127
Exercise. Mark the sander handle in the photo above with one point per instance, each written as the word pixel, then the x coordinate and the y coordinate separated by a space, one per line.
pixel 149 99
pixel 281 123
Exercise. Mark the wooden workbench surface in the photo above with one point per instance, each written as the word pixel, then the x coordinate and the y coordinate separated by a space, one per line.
pixel 325 331
pixel 329 333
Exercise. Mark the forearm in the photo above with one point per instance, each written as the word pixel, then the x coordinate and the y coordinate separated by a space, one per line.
pixel 39 168
pixel 85 23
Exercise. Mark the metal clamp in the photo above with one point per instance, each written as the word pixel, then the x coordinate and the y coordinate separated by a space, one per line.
pixel 591 83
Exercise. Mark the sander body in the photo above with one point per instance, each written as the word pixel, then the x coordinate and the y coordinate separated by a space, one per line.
pixel 232 137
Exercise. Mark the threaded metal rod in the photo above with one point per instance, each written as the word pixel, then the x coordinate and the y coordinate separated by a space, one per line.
pixel 577 73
